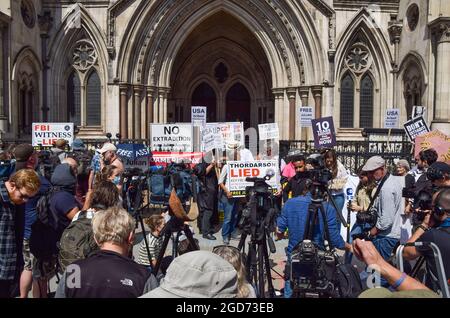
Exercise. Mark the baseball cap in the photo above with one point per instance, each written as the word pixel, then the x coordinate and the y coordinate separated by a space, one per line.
pixel 107 147
pixel 441 166
pixel 23 152
pixel 197 274
pixel 78 144
pixel 61 143
pixel 373 163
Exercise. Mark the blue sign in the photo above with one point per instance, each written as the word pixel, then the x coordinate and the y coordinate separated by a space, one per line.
pixel 132 151
pixel 349 194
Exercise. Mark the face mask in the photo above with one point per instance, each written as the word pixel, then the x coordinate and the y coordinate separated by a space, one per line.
pixel 116 180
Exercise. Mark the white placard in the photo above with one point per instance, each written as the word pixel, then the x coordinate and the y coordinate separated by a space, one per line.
pixel 198 115
pixel 238 171
pixel 306 115
pixel 171 137
pixel 208 141
pixel 268 131
pixel 418 111
pixel 225 132
pixel 46 134
pixel 392 118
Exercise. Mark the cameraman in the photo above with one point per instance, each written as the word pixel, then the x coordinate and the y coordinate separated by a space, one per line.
pixel 387 206
pixel 294 186
pixel 439 174
pixel 434 228
pixel 293 218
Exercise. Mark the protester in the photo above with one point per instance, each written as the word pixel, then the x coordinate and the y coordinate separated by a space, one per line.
pixel 294 217
pixel 435 228
pixel 402 168
pixel 207 197
pixel 59 151
pixel 154 239
pixel 198 274
pixel 234 256
pixel 439 174
pixel 84 158
pixel 27 158
pixel 21 186
pixel 109 272
pixel 294 186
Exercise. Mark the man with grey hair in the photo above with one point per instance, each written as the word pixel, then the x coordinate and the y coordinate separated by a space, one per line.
pixel 388 205
pixel 109 272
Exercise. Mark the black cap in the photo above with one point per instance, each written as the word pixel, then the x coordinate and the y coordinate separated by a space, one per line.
pixel 441 166
pixel 23 152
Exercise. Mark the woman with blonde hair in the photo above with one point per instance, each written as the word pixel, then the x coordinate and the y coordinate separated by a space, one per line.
pixel 234 257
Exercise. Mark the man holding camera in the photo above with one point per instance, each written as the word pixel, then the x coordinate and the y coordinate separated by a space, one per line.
pixel 387 206
pixel 435 228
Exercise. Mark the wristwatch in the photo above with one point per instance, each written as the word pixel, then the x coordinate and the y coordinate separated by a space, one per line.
pixel 424 228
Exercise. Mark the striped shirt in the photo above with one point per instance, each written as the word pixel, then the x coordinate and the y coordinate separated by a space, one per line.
pixel 154 245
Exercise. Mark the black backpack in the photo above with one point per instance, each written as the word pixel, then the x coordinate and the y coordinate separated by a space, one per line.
pixel 348 281
pixel 44 236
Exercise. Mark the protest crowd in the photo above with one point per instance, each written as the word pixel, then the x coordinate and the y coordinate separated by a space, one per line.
pixel 71 212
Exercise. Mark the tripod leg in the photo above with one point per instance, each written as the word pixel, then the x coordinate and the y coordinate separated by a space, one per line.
pixel 268 274
pixel 241 245
pixel 260 264
pixel 190 237
pixel 167 236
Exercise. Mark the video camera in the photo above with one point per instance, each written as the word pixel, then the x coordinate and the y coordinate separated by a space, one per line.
pixel 320 174
pixel 134 182
pixel 313 271
pixel 422 201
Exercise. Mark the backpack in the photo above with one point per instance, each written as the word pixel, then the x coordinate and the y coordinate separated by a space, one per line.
pixel 84 159
pixel 7 168
pixel 44 236
pixel 77 241
pixel 348 281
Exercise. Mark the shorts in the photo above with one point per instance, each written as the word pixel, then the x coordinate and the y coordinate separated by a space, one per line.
pixel 27 257
pixel 44 268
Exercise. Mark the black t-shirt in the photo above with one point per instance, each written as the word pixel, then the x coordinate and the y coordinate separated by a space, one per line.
pixel 61 203
pixel 106 274
pixel 440 237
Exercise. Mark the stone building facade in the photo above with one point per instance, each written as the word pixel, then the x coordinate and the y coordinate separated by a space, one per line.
pixel 116 66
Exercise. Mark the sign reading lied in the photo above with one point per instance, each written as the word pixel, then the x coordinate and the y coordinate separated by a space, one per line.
pixel 46 134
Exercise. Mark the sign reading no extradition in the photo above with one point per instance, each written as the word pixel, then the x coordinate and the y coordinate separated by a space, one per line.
pixel 46 134
pixel 324 134
pixel 238 171
pixel 391 118
pixel 416 127
pixel 171 137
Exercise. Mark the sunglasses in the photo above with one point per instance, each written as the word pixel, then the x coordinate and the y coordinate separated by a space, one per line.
pixel 23 196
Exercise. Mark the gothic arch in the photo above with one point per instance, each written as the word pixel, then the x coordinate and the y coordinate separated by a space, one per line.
pixel 139 63
pixel 76 25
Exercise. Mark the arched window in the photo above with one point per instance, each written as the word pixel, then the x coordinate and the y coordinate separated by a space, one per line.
pixel 93 100
pixel 238 105
pixel 347 101
pixel 74 99
pixel 366 103
pixel 413 87
pixel 204 95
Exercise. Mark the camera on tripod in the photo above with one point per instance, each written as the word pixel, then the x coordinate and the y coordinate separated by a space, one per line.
pixel 320 174
pixel 134 182
pixel 312 271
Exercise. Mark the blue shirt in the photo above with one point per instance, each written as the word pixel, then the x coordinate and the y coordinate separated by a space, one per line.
pixel 30 207
pixel 293 217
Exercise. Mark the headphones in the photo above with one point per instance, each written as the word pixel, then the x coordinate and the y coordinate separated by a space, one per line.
pixel 438 210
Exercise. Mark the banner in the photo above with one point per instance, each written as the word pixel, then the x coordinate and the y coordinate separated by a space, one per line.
pixel 306 116
pixel 436 140
pixel 198 115
pixel 46 134
pixel 415 127
pixel 171 137
pixel 268 131
pixel 391 118
pixel 238 171
pixel 324 134
pixel 142 163
pixel 165 158
pixel 225 132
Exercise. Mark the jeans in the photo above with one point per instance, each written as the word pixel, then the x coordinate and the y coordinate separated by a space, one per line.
pixel 339 199
pixel 230 206
pixel 356 229
pixel 385 246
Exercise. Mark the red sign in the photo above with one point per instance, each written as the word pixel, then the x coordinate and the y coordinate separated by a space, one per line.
pixel 165 158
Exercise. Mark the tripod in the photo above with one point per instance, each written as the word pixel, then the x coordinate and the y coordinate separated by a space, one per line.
pixel 257 262
pixel 174 225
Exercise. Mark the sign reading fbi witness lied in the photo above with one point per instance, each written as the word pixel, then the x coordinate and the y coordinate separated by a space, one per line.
pixel 324 134
pixel 46 134
pixel 416 127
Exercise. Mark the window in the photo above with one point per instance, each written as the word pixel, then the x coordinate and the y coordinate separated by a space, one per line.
pixel 366 103
pixel 347 101
pixel 204 95
pixel 413 87
pixel 74 99
pixel 93 100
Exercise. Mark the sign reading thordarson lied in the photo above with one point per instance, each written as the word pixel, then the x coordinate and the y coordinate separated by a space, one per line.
pixel 324 134
pixel 238 171
pixel 46 134
pixel 416 127
pixel 171 137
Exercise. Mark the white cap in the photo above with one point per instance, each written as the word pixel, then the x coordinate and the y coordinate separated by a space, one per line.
pixel 107 147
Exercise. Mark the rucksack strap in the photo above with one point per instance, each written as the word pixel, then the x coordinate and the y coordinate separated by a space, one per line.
pixel 378 191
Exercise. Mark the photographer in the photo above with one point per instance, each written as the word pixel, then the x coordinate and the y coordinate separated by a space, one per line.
pixel 387 206
pixel 426 159
pixel 294 186
pixel 439 174
pixel 294 219
pixel 434 228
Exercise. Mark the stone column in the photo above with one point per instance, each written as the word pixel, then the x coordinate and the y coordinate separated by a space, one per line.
pixel 162 94
pixel 278 94
pixel 291 93
pixel 304 96
pixel 45 24
pixel 395 31
pixel 123 110
pixel 3 111
pixel 317 93
pixel 441 31
pixel 149 113
pixel 137 90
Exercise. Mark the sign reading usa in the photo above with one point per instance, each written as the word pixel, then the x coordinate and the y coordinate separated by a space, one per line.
pixel 46 134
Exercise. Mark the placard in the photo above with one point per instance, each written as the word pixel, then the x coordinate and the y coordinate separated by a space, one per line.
pixel 238 171
pixel 171 137
pixel 268 131
pixel 306 116
pixel 391 118
pixel 416 127
pixel 198 115
pixel 225 132
pixel 324 134
pixel 46 134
